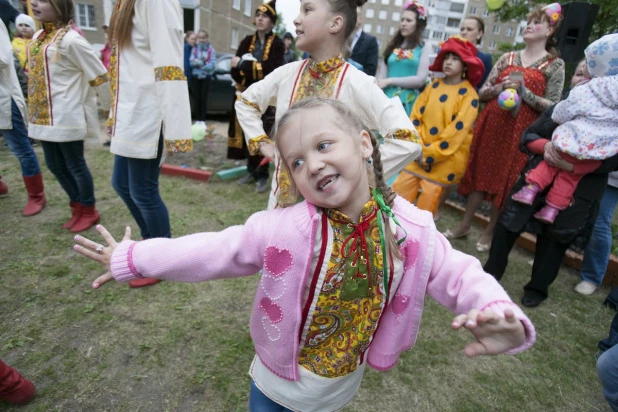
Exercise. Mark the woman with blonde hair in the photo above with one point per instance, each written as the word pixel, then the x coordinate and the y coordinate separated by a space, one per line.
pixel 150 106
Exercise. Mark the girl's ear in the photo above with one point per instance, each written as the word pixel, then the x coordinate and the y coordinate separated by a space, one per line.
pixel 336 24
pixel 366 146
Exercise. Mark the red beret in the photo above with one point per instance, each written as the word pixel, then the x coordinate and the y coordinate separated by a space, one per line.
pixel 467 52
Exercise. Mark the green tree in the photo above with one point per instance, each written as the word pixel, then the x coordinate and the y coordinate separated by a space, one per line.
pixel 279 28
pixel 605 23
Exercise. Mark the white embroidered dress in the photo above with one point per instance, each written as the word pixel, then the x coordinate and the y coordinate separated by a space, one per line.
pixel 9 84
pixel 149 88
pixel 342 81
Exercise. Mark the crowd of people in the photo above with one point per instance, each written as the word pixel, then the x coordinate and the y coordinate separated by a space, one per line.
pixel 340 252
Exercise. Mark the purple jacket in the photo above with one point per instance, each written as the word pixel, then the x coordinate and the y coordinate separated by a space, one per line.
pixel 280 242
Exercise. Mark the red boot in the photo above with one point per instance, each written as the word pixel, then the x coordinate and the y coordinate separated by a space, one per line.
pixel 89 217
pixel 36 196
pixel 76 212
pixel 142 283
pixel 4 189
pixel 15 388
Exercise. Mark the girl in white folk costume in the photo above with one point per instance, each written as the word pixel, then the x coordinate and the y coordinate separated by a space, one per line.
pixel 62 68
pixel 150 106
pixel 322 28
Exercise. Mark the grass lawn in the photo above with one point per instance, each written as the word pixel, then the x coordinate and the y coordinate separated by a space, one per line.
pixel 185 347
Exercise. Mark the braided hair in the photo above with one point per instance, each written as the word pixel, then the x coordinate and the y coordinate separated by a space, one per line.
pixel 65 10
pixel 375 169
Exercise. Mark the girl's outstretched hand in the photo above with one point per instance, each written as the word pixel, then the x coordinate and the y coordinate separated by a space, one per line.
pixel 100 253
pixel 494 334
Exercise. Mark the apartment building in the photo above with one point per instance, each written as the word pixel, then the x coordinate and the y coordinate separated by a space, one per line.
pixel 381 19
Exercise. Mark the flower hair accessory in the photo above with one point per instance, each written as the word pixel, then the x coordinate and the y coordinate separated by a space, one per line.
pixel 422 11
pixel 554 12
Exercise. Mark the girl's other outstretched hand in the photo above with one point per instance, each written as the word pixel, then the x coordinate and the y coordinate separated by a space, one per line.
pixel 100 253
pixel 494 334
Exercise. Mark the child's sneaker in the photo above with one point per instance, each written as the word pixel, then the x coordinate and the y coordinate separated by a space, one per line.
pixel 526 194
pixel 547 214
pixel 585 288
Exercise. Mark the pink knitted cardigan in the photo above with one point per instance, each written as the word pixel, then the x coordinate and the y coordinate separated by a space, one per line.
pixel 280 243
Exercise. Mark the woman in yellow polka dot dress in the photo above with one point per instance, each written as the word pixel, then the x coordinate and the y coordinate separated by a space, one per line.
pixel 444 114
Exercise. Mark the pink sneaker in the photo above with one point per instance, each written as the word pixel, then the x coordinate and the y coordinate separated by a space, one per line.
pixel 547 214
pixel 526 194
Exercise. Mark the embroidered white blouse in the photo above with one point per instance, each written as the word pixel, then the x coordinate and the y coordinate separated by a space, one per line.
pixel 341 81
pixel 9 84
pixel 149 88
pixel 58 85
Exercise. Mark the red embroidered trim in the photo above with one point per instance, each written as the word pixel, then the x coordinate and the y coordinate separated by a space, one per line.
pixel 316 274
pixel 341 81
pixel 302 67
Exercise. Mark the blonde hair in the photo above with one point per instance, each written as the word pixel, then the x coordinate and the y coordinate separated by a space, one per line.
pixel 355 125
pixel 65 10
pixel 121 24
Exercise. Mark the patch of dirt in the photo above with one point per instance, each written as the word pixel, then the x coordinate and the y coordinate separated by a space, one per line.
pixel 208 154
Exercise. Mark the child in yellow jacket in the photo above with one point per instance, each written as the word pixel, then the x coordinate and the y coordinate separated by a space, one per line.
pixel 25 31
pixel 443 114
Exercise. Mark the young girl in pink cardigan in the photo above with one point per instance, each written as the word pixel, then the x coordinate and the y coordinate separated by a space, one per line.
pixel 344 272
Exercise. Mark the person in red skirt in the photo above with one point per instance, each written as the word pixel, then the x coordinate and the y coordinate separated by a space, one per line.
pixel 495 160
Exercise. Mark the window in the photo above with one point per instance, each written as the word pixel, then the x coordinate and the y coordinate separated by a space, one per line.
pixel 369 13
pixel 236 4
pixel 496 29
pixel 234 42
pixel 457 7
pixel 367 28
pixel 379 29
pixel 437 35
pixel 440 20
pixel 425 34
pixel 443 5
pixel 396 16
pixel 392 31
pixel 509 32
pixel 521 30
pixel 453 23
pixel 372 1
pixel 382 14
pixel 85 16
pixel 485 13
pixel 384 2
pixel 248 9
pixel 399 3
pixel 473 11
pixel 492 45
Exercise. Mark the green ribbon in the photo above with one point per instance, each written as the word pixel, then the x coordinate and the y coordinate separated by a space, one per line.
pixel 377 195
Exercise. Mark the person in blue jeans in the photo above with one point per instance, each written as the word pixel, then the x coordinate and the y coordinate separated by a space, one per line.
pixel 607 362
pixel 13 111
pixel 596 254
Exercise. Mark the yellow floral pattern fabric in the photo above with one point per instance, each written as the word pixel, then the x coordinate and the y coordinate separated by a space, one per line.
pixel 169 73
pixel 317 79
pixel 99 80
pixel 351 298
pixel 179 146
pixel 408 135
pixel 39 109
pixel 113 73
pixel 254 144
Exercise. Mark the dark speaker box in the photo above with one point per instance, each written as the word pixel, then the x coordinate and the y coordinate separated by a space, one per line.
pixel 575 29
